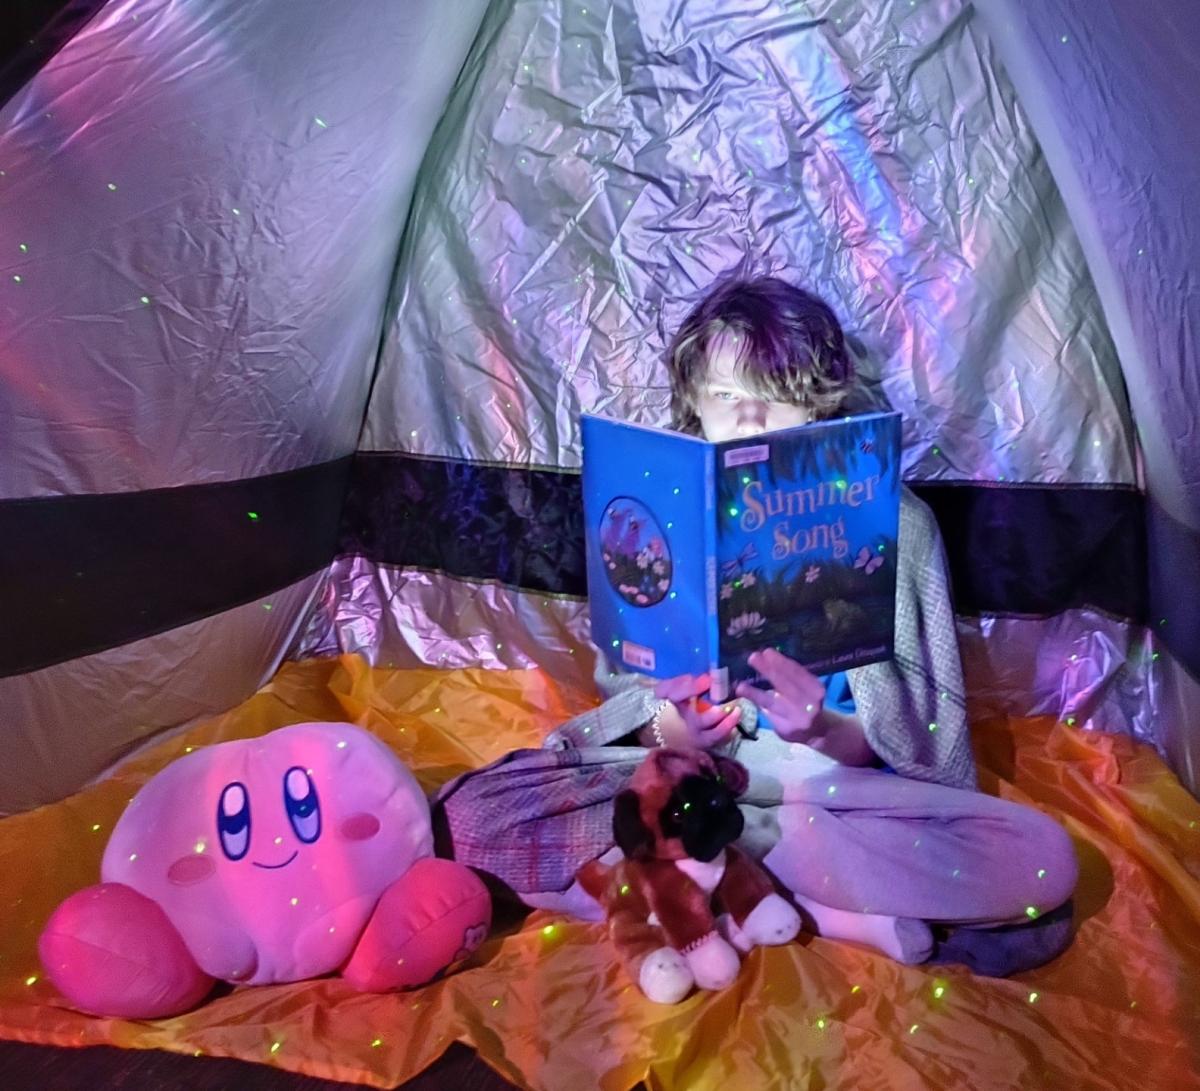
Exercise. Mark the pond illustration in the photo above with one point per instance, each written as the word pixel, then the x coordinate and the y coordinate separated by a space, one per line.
pixel 637 559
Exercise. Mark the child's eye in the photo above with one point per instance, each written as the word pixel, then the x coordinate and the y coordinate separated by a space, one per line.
pixel 725 396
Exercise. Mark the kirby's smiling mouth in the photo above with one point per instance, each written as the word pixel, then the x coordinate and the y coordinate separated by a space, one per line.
pixel 274 866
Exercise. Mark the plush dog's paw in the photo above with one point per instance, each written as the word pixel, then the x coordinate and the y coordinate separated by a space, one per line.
pixel 665 977
pixel 772 922
pixel 714 964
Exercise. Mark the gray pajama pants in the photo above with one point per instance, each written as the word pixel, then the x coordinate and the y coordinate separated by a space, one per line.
pixel 870 841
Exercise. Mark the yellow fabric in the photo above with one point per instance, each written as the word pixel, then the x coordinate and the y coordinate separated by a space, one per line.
pixel 545 1004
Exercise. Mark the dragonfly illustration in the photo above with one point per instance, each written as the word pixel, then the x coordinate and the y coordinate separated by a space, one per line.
pixel 737 566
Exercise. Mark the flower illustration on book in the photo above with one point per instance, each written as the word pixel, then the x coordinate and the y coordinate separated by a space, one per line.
pixel 744 624
pixel 634 551
pixel 868 561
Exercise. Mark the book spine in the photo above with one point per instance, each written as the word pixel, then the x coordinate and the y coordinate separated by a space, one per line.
pixel 719 677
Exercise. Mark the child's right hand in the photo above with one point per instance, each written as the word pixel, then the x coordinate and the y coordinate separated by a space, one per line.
pixel 690 721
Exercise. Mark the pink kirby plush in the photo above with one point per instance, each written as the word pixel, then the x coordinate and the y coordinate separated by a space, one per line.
pixel 301 853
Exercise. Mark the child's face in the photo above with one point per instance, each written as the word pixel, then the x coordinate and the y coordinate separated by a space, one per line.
pixel 728 409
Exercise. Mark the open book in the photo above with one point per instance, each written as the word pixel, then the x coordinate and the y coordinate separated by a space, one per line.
pixel 700 553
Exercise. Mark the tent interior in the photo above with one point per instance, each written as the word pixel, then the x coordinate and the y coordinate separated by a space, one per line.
pixel 300 304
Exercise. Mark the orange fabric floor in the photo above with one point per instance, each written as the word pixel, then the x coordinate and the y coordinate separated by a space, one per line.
pixel 545 1005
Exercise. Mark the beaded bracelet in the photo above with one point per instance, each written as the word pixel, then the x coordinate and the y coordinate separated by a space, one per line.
pixel 655 725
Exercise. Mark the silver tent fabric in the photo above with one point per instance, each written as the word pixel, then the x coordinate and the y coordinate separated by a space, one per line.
pixel 65 724
pixel 598 169
pixel 200 206
pixel 1111 91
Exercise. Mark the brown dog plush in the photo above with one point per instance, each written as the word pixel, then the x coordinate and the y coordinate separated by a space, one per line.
pixel 676 825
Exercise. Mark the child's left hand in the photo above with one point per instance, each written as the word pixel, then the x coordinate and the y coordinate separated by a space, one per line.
pixel 796 708
pixel 794 702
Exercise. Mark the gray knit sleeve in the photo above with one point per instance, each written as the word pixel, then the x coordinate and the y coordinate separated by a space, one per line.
pixel 913 706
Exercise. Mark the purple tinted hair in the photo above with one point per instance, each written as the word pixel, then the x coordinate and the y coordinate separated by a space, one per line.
pixel 791 348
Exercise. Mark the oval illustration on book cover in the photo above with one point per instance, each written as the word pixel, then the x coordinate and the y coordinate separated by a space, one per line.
pixel 637 559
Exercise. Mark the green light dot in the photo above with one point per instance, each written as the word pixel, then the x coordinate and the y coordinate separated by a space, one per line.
pixel 253 515
pixel 548 930
pixel 616 643
pixel 745 480
pixel 675 491
pixel 1070 721
pixel 145 299
pixel 237 211
pixel 939 991
pixel 23 248
pixel 112 187
pixel 275 1046
pixel 831 790
pixel 320 122
pixel 673 594
pixel 1033 997
pixel 1032 912
pixel 646 473
pixel 914 1028
pixel 17 278
pixel 933 727
pixel 733 512
pixel 820 1024
pixel 624 888
pixel 376 1043
pixel 266 606
pixel 1041 873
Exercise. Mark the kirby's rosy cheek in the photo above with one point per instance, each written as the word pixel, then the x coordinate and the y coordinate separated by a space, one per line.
pixel 188 870
pixel 360 827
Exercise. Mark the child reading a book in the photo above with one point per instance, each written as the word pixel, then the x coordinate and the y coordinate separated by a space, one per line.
pixel 862 797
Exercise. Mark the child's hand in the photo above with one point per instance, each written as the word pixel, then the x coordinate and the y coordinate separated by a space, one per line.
pixel 692 721
pixel 795 707
pixel 794 703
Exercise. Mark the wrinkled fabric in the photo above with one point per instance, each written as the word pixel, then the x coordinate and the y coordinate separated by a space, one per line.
pixel 66 724
pixel 201 206
pixel 598 169
pixel 545 1003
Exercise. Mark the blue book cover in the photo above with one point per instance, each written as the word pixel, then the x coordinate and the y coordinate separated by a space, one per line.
pixel 700 553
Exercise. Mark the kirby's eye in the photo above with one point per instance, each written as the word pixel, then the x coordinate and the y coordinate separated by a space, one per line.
pixel 233 820
pixel 300 800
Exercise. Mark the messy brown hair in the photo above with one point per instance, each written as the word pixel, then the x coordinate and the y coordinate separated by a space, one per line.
pixel 791 348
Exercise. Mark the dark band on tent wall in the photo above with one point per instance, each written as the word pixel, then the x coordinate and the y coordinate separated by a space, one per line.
pixel 33 31
pixel 1020 550
pixel 79 574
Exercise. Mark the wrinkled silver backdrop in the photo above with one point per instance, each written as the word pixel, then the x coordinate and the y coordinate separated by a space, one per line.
pixel 601 164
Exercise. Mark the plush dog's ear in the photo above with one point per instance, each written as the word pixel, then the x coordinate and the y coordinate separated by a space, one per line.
pixel 631 833
pixel 672 763
pixel 732 773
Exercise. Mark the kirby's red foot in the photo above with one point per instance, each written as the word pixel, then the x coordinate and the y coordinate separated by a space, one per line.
pixel 435 914
pixel 112 951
